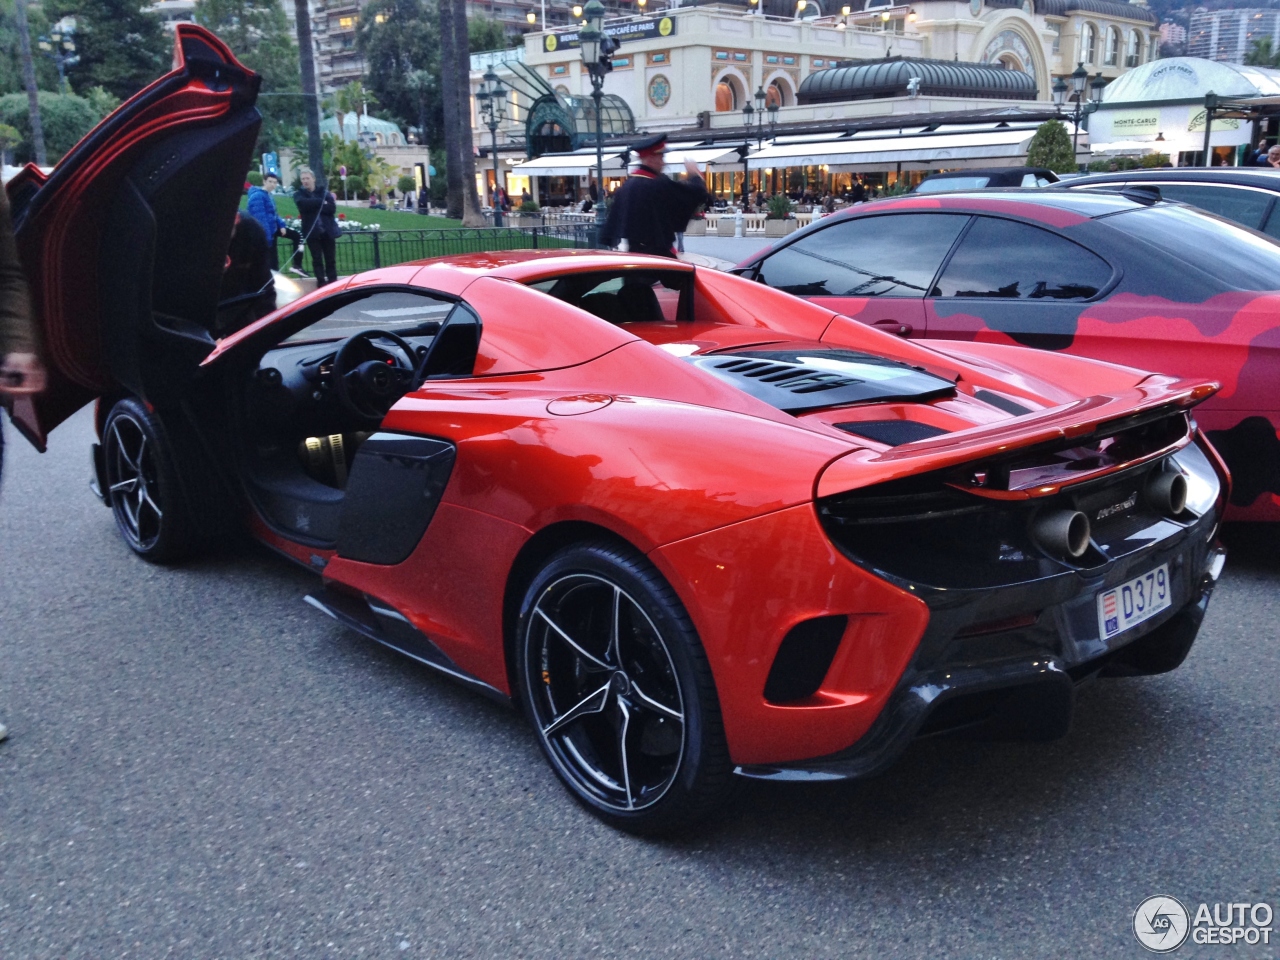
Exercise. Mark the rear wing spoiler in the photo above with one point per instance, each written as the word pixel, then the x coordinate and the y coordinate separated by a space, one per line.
pixel 1152 399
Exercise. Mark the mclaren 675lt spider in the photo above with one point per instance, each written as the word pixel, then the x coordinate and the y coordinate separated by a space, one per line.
pixel 691 526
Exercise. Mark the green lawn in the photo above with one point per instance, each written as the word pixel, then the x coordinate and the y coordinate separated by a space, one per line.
pixel 388 219
pixel 409 236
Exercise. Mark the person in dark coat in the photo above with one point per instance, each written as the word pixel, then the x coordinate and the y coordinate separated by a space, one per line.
pixel 317 209
pixel 248 291
pixel 650 208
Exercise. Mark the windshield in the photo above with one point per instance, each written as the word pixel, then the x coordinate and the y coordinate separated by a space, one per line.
pixel 1228 251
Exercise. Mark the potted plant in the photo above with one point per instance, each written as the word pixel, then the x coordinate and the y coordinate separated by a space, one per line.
pixel 778 221
pixel 529 214
pixel 697 226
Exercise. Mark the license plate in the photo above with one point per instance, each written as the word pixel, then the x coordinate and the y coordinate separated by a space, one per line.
pixel 1134 601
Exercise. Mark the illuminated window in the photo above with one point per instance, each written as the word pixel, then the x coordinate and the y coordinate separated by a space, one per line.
pixel 346 23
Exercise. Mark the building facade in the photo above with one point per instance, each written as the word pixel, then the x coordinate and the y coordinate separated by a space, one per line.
pixel 1228 35
pixel 691 71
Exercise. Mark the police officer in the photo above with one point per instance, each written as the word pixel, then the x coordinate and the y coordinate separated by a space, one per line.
pixel 650 208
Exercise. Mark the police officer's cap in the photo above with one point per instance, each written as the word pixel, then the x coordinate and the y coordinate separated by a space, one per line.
pixel 650 143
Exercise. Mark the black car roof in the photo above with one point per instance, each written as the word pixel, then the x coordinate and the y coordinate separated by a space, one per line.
pixel 985 171
pixel 1265 178
pixel 1085 203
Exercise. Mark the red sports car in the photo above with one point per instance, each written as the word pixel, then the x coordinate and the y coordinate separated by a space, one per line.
pixel 1117 277
pixel 692 526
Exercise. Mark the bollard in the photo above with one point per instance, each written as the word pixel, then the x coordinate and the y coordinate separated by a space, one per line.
pixel 737 224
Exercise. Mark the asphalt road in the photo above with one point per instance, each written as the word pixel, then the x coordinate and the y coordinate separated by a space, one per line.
pixel 202 766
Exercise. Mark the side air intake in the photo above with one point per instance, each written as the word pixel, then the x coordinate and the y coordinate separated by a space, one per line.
pixel 803 658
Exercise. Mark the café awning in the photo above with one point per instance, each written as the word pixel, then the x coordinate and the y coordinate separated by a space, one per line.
pixel 1002 145
pixel 579 164
pixel 676 156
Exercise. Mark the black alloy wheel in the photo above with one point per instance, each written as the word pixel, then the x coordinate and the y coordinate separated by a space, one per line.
pixel 142 484
pixel 620 692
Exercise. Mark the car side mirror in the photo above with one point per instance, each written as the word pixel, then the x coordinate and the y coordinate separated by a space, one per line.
pixel 454 350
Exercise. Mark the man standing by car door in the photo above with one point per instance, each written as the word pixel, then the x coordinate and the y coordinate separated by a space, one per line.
pixel 21 372
pixel 319 227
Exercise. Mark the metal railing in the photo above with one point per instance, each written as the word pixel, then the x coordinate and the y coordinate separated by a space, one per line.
pixel 384 248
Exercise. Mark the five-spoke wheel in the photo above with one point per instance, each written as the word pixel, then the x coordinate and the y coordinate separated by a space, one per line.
pixel 618 688
pixel 141 483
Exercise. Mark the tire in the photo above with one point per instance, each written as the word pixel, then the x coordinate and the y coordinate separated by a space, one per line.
pixel 143 486
pixel 614 679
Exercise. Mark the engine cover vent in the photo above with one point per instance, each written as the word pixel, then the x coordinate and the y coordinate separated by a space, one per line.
pixel 892 433
pixel 796 381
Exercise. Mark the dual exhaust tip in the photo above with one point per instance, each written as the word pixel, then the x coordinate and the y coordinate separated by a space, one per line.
pixel 1066 533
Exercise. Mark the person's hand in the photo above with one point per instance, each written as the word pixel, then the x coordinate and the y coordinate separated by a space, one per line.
pixel 22 373
pixel 691 169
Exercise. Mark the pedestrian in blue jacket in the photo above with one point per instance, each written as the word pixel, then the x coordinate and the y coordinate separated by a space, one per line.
pixel 262 207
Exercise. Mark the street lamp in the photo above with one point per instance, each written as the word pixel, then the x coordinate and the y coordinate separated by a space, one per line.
pixel 61 49
pixel 597 50
pixel 1096 86
pixel 492 97
pixel 1079 77
pixel 748 111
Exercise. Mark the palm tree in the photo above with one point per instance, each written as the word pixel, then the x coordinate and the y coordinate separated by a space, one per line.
pixel 311 100
pixel 449 81
pixel 29 78
pixel 359 99
pixel 471 215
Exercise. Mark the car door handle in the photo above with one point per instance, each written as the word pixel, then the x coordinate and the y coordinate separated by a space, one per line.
pixel 894 326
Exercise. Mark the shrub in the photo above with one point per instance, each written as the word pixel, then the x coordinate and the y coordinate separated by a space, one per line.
pixel 406 185
pixel 1051 148
pixel 529 206
pixel 65 120
pixel 778 207
pixel 1122 163
pixel 254 178
pixel 1155 160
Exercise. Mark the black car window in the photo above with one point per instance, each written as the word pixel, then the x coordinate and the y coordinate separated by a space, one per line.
pixel 1006 259
pixel 1272 227
pixel 649 296
pixel 888 256
pixel 1223 250
pixel 395 311
pixel 1241 204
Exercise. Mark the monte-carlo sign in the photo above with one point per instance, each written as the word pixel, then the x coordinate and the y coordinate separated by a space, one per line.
pixel 631 30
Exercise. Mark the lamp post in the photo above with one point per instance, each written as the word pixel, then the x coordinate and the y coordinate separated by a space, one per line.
pixel 1079 77
pixel 60 47
pixel 492 97
pixel 596 49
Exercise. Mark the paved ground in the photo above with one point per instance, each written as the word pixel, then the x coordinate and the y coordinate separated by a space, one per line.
pixel 202 766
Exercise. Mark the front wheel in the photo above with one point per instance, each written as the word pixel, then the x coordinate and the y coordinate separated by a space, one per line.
pixel 142 484
pixel 614 678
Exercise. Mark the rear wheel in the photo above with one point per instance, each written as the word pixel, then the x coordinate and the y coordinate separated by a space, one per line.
pixel 619 690
pixel 142 484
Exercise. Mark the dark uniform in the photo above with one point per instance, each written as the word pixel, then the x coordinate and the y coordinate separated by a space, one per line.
pixel 649 209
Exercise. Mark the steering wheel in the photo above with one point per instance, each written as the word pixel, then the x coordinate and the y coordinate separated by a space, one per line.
pixel 368 385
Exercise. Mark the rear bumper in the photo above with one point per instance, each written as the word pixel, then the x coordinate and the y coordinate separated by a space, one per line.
pixel 1020 684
